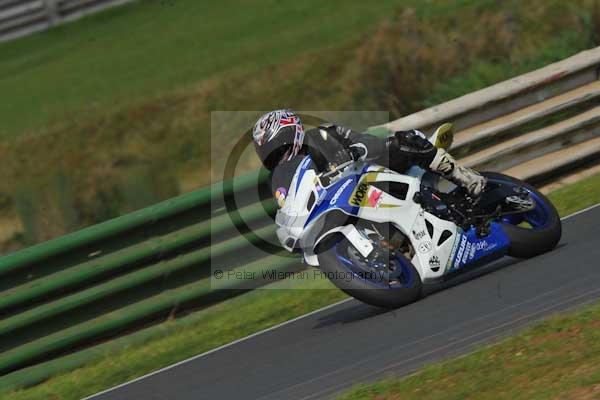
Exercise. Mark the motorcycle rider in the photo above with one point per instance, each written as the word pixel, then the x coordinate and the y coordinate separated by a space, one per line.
pixel 281 144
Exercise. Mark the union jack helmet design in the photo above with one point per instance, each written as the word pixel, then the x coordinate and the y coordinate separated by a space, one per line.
pixel 278 136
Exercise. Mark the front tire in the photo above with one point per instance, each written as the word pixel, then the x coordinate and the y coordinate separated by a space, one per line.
pixel 371 291
pixel 546 228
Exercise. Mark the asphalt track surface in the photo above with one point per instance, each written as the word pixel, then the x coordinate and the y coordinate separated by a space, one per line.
pixel 325 352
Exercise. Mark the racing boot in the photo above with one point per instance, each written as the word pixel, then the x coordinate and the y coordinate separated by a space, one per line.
pixel 470 180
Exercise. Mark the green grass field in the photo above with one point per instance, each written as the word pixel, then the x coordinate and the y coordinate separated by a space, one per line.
pixel 148 48
pixel 111 113
pixel 261 309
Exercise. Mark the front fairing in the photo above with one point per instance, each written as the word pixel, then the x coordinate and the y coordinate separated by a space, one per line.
pixel 307 199
pixel 301 196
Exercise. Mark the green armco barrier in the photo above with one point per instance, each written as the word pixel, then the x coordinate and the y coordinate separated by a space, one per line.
pixel 95 268
pixel 149 215
pixel 105 230
pixel 120 284
pixel 121 319
pixel 38 373
pixel 379 131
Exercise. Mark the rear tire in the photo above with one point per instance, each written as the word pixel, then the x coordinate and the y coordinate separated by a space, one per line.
pixel 525 242
pixel 365 290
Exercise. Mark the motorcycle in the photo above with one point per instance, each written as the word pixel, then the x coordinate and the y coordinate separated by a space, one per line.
pixel 380 235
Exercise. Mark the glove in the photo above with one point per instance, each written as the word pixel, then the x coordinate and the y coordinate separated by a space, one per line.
pixel 355 152
pixel 341 157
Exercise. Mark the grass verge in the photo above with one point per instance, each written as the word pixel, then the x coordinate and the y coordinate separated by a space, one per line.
pixel 260 309
pixel 558 358
pixel 577 196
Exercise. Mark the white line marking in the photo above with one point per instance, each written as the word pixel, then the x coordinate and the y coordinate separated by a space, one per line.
pixel 581 211
pixel 220 347
pixel 168 367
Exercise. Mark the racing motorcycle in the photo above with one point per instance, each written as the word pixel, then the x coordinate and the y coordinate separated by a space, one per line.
pixel 380 235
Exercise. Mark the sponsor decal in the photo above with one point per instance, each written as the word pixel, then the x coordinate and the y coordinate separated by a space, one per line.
pixel 321 193
pixel 482 245
pixel 374 197
pixel 339 192
pixel 434 263
pixel 359 194
pixel 467 252
pixel 365 195
pixel 472 249
pixel 461 248
pixel 468 248
pixel 419 235
pixel 472 252
pixel 280 196
pixel 457 240
pixel 425 247
pixel 306 163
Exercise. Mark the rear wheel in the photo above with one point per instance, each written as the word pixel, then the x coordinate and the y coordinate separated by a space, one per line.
pixel 533 232
pixel 385 278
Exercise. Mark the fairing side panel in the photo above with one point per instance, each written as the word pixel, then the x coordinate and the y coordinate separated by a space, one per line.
pixel 365 192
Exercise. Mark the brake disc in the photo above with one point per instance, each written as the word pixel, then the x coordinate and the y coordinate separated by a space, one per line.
pixel 520 202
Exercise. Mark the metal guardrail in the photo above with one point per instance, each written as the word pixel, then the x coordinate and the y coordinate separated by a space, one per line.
pixel 508 96
pixel 80 289
pixel 23 17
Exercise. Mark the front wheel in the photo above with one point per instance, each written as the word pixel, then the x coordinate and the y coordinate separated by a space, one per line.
pixel 382 279
pixel 533 232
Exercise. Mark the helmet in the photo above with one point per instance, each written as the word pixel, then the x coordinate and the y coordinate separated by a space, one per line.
pixel 277 135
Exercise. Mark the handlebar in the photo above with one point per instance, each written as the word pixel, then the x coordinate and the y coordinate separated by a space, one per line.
pixel 338 169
